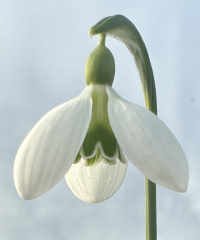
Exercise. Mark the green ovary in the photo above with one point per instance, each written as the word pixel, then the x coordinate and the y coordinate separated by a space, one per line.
pixel 100 65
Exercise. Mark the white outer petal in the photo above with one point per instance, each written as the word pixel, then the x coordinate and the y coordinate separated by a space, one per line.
pixel 148 143
pixel 95 183
pixel 51 147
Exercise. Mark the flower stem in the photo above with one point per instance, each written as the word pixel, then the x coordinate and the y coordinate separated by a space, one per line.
pixel 151 226
pixel 102 39
pixel 123 29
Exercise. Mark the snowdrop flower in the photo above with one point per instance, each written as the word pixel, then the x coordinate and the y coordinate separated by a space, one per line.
pixel 91 139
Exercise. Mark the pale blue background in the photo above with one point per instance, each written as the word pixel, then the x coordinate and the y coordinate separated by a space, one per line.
pixel 43 49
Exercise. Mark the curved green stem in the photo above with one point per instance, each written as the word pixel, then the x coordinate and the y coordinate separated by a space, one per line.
pixel 123 29
pixel 102 39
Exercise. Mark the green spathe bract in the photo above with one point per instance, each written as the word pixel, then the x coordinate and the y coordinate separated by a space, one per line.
pixel 123 29
pixel 100 65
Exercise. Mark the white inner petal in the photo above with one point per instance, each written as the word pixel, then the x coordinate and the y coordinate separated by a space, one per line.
pixel 97 182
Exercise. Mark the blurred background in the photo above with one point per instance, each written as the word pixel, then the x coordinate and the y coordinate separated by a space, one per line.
pixel 43 49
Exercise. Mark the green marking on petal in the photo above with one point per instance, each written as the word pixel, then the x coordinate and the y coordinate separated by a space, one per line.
pixel 94 160
pixel 110 162
pixel 78 158
pixel 100 130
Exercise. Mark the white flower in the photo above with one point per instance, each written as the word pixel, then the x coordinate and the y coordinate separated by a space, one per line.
pixel 101 132
pixel 91 138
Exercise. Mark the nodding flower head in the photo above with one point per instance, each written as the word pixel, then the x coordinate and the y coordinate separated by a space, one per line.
pixel 91 139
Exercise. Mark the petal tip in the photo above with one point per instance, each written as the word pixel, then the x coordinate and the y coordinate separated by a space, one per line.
pixel 177 185
pixel 182 187
pixel 25 195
